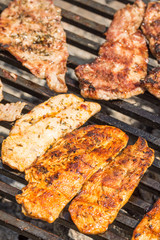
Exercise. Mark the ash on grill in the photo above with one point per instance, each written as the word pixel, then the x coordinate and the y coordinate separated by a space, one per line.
pixel 84 21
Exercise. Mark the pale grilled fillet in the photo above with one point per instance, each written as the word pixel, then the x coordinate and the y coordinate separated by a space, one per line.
pixel 11 111
pixel 33 133
pixel 59 174
pixel 149 227
pixel 152 82
pixel 1 94
pixel 108 190
pixel 32 32
pixel 151 27
pixel 122 63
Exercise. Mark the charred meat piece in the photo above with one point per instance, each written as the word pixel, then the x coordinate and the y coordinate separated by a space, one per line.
pixel 122 63
pixel 151 27
pixel 152 82
pixel 57 176
pixel 149 227
pixel 108 190
pixel 32 32
pixel 34 133
pixel 11 111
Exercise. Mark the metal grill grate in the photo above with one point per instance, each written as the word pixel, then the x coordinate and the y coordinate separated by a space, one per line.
pixel 144 110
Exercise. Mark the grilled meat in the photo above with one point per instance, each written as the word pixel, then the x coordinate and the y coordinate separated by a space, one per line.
pixel 59 174
pixel 108 190
pixel 1 94
pixel 122 63
pixel 149 227
pixel 151 27
pixel 11 111
pixel 152 82
pixel 32 32
pixel 33 133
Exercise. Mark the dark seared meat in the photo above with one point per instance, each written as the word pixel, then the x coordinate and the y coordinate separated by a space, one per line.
pixel 152 82
pixel 122 63
pixel 59 174
pixel 31 30
pixel 149 227
pixel 151 27
pixel 108 190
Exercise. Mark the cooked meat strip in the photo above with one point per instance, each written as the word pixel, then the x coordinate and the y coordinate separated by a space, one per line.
pixel 152 82
pixel 1 94
pixel 32 32
pixel 151 27
pixel 149 227
pixel 57 176
pixel 11 111
pixel 122 63
pixel 108 190
pixel 33 133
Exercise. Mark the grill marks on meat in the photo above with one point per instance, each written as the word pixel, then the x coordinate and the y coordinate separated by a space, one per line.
pixel 32 32
pixel 108 190
pixel 11 111
pixel 57 176
pixel 152 82
pixel 36 131
pixel 149 227
pixel 122 63
pixel 151 27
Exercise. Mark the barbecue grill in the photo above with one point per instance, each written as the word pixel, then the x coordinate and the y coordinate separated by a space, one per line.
pixel 138 116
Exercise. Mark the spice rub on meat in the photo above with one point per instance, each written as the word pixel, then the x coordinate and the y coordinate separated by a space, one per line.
pixel 122 63
pixel 149 227
pixel 57 176
pixel 109 189
pixel 151 27
pixel 35 131
pixel 152 82
pixel 32 32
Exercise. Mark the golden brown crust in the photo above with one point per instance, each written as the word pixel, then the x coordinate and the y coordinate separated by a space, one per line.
pixel 122 63
pixel 149 227
pixel 108 190
pixel 152 82
pixel 151 27
pixel 63 169
pixel 32 32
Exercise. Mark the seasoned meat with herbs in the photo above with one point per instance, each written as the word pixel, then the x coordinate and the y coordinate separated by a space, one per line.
pixel 151 27
pixel 149 227
pixel 109 189
pixel 33 133
pixel 57 176
pixel 122 63
pixel 11 111
pixel 152 82
pixel 32 32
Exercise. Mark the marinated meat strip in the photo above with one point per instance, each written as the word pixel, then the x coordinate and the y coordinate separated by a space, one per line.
pixel 109 189
pixel 149 227
pixel 1 94
pixel 32 32
pixel 151 27
pixel 122 63
pixel 57 176
pixel 33 133
pixel 11 111
pixel 152 82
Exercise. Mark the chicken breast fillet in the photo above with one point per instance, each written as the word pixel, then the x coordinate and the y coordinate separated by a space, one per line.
pixel 122 63
pixel 152 82
pixel 151 27
pixel 33 133
pixel 11 111
pixel 32 32
pixel 109 189
pixel 149 227
pixel 59 174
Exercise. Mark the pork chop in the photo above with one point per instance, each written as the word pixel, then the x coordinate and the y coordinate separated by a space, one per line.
pixel 122 60
pixel 59 174
pixel 32 32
